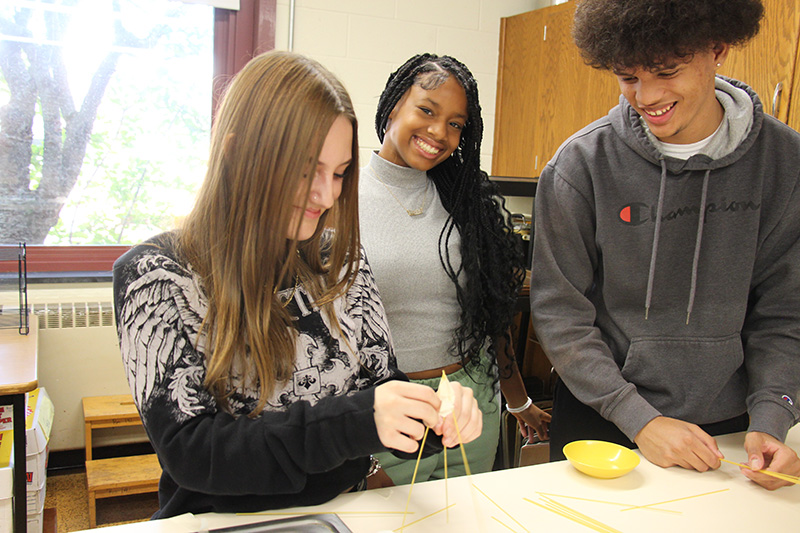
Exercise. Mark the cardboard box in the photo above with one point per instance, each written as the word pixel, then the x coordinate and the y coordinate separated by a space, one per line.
pixel 36 469
pixel 35 522
pixel 35 498
pixel 35 503
pixel 6 479
pixel 39 412
pixel 6 516
pixel 6 461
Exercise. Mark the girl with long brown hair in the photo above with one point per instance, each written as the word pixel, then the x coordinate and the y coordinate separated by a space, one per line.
pixel 254 339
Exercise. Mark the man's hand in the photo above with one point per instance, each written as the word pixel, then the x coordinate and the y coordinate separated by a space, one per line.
pixel 669 442
pixel 765 452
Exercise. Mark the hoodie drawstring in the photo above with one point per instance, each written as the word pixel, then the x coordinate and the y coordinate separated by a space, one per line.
pixel 698 240
pixel 657 234
pixel 652 274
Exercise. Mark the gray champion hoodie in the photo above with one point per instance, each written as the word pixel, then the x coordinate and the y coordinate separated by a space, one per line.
pixel 672 287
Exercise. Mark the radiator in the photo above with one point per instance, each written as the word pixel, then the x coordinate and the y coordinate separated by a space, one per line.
pixel 70 315
pixel 79 356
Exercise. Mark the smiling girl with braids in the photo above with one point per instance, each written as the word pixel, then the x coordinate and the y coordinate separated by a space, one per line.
pixel 447 265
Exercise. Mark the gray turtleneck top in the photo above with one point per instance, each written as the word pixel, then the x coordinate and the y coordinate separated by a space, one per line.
pixel 403 251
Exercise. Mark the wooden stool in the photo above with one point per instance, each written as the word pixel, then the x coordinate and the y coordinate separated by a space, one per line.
pixel 108 412
pixel 120 476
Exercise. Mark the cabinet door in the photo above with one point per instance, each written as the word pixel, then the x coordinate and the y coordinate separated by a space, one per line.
pixel 545 92
pixel 517 95
pixel 572 93
pixel 794 99
pixel 768 61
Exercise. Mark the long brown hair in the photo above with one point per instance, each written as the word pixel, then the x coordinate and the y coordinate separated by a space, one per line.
pixel 265 142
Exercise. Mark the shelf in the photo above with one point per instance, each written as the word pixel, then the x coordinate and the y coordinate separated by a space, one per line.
pixel 510 186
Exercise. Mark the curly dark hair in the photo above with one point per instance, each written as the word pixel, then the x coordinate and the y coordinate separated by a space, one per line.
pixel 492 267
pixel 648 33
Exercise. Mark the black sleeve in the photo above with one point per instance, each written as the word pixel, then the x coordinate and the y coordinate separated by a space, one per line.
pixel 159 307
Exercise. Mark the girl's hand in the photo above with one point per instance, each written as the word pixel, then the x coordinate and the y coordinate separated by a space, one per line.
pixel 534 419
pixel 399 407
pixel 466 412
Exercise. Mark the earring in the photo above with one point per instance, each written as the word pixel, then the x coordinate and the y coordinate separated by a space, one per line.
pixel 719 65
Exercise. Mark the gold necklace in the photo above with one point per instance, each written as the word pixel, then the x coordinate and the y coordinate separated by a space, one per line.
pixel 294 289
pixel 411 213
pixel 291 296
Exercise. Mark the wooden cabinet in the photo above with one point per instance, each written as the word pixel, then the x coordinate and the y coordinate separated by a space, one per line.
pixel 546 93
pixel 794 110
pixel 768 61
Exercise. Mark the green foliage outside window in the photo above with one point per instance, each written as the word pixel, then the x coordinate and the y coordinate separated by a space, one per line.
pixel 104 118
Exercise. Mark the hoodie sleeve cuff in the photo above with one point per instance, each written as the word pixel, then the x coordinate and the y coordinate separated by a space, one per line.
pixel 631 414
pixel 771 418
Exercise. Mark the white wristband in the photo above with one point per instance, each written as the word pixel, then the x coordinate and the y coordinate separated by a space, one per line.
pixel 519 409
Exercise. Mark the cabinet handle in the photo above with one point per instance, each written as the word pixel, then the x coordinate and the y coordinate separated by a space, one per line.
pixel 776 99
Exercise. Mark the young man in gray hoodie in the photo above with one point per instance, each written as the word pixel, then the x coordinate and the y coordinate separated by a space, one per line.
pixel 665 283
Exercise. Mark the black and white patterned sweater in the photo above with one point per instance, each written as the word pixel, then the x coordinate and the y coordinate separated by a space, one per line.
pixel 313 439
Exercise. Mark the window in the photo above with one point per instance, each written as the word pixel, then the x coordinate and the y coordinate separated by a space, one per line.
pixel 105 111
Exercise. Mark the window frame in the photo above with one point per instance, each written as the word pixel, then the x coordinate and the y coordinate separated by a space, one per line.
pixel 238 36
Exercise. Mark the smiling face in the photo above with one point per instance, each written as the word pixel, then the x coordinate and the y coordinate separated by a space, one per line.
pixel 425 126
pixel 335 157
pixel 677 100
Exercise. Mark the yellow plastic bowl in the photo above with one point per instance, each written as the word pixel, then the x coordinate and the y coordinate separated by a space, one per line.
pixel 601 459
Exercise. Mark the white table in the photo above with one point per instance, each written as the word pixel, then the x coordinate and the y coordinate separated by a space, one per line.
pixel 741 506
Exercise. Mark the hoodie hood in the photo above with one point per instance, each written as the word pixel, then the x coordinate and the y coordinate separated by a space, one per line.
pixel 739 130
pixel 742 122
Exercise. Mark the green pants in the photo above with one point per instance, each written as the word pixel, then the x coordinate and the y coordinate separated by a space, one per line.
pixel 480 452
